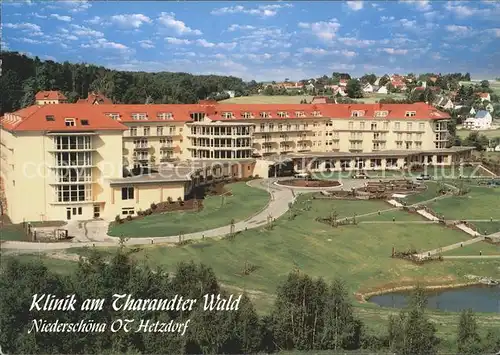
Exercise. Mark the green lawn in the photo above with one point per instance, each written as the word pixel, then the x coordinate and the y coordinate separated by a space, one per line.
pixel 263 99
pixel 13 232
pixel 491 133
pixel 487 227
pixel 474 249
pixel 479 203
pixel 245 202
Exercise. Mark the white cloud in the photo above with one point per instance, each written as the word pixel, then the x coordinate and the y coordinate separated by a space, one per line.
pixel 37 15
pixel 394 51
pixel 348 54
pixel 77 5
pixel 494 31
pixel 49 57
pixel 355 5
pixel 460 10
pixel 84 31
pixel 168 20
pixel 95 20
pixel 457 29
pixel 236 27
pixel 262 10
pixel 61 17
pixel 23 26
pixel 354 42
pixel 324 52
pixel 432 15
pixel 323 30
pixel 177 41
pixel 420 5
pixel 29 40
pixel 102 43
pixel 408 24
pixel 130 20
pixel 205 44
pixel 387 18
pixel 147 44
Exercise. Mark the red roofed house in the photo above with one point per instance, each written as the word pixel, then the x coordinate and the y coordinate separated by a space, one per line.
pixel 68 160
pixel 50 97
pixel 95 99
pixel 484 96
pixel 343 82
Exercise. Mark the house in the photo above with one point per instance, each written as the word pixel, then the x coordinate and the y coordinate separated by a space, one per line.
pixel 490 108
pixel 343 82
pixel 340 91
pixel 332 87
pixel 377 82
pixel 444 103
pixel 398 84
pixel 95 99
pixel 319 100
pixel 481 121
pixel 231 93
pixel 472 111
pixel 50 97
pixel 484 96
pixel 493 149
pixel 368 88
pixel 382 90
pixel 310 87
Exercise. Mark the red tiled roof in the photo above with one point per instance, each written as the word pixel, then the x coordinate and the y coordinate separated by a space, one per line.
pixel 484 95
pixel 95 97
pixel 50 95
pixel 34 118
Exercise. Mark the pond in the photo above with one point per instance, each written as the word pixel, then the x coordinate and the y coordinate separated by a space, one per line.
pixel 477 298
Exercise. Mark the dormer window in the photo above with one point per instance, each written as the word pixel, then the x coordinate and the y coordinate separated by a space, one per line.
pixel 164 115
pixel 265 115
pixel 114 116
pixel 69 122
pixel 316 114
pixel 410 113
pixel 50 118
pixel 358 113
pixel 227 115
pixel 300 114
pixel 282 114
pixel 381 113
pixel 197 116
pixel 246 115
pixel 139 116
pixel 85 122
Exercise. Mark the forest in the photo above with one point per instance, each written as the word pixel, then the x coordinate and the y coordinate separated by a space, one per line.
pixel 22 77
pixel 308 314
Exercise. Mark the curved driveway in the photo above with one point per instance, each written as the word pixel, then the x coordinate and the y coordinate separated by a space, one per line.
pixel 96 234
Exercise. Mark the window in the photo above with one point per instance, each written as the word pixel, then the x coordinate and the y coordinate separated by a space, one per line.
pixel 246 115
pixel 69 122
pixel 397 125
pixel 73 193
pixel 49 118
pixel 128 211
pixel 127 193
pixel 410 113
pixel 386 126
pixel 381 113
pixel 164 115
pixel 227 115
pixel 374 127
pixel 147 131
pixel 421 126
pixel 300 114
pixel 282 114
pixel 139 116
pixel 329 124
pixel 357 113
pixel 409 126
pixel 85 122
pixel 114 116
pixel 361 125
pixel 351 125
pixel 133 131
pixel 316 114
pixel 159 131
pixel 265 115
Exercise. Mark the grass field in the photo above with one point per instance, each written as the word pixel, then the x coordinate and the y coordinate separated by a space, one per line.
pixel 263 99
pixel 239 206
pixel 479 203
pixel 282 99
pixel 491 133
pixel 13 232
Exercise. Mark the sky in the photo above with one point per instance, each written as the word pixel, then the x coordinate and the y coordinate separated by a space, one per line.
pixel 262 41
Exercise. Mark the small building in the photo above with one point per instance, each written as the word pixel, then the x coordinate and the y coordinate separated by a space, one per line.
pixel 382 90
pixel 444 103
pixel 50 97
pixel 490 108
pixel 343 82
pixel 319 100
pixel 94 98
pixel 484 96
pixel 472 111
pixel 481 121
pixel 368 88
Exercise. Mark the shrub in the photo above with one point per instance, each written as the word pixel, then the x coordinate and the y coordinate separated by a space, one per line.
pixel 153 206
pixel 148 211
pixel 179 199
pixel 140 213
pixel 169 199
pixel 129 218
pixel 118 219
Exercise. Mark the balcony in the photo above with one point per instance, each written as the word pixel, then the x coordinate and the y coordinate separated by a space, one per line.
pixel 141 147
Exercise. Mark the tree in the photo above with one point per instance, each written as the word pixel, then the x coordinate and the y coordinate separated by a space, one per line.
pixel 485 84
pixel 353 89
pixel 411 333
pixel 368 78
pixel 468 340
pixel 269 90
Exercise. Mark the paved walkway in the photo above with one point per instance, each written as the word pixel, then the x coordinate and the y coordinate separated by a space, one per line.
pixel 428 215
pixel 448 248
pixel 95 232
